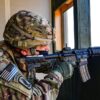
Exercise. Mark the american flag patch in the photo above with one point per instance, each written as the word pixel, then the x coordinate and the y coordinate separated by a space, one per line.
pixel 9 72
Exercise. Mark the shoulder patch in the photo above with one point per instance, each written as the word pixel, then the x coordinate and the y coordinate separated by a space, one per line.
pixel 9 72
pixel 18 87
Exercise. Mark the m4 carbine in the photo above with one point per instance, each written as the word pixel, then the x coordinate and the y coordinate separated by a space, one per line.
pixel 78 58
pixel 42 63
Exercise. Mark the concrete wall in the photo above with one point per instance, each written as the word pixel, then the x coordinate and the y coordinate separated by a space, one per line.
pixel 41 7
pixel 2 17
pixel 9 7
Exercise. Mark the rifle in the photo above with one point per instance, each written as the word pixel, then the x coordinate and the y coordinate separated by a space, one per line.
pixel 46 63
pixel 77 57
pixel 64 55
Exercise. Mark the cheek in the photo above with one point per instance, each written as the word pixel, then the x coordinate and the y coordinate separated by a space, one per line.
pixel 43 48
pixel 36 53
pixel 47 48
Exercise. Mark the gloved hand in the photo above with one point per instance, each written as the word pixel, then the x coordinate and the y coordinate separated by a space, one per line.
pixel 65 68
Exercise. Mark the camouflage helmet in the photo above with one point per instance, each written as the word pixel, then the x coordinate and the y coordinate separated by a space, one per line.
pixel 25 30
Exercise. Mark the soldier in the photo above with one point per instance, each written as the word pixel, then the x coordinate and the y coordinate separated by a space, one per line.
pixel 25 35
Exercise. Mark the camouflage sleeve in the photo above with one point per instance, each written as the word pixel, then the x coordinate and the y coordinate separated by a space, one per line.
pixel 12 83
pixel 13 91
pixel 48 88
pixel 14 87
pixel 55 79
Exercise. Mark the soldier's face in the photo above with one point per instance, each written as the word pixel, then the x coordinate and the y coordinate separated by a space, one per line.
pixel 38 50
pixel 42 49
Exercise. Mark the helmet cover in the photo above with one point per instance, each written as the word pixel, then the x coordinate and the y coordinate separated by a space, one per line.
pixel 26 30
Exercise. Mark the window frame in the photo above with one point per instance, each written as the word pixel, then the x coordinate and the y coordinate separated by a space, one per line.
pixel 58 23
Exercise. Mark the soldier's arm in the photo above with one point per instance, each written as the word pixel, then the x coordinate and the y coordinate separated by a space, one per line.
pixel 49 86
pixel 11 86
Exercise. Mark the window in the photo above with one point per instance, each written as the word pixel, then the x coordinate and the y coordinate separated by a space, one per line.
pixel 95 21
pixel 62 24
pixel 69 28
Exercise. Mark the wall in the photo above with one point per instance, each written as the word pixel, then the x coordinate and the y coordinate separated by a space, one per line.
pixel 41 7
pixel 9 7
pixel 2 17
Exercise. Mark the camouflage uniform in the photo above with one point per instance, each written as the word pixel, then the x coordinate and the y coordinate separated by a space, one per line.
pixel 25 30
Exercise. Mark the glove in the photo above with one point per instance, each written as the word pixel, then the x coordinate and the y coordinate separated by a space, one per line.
pixel 65 68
